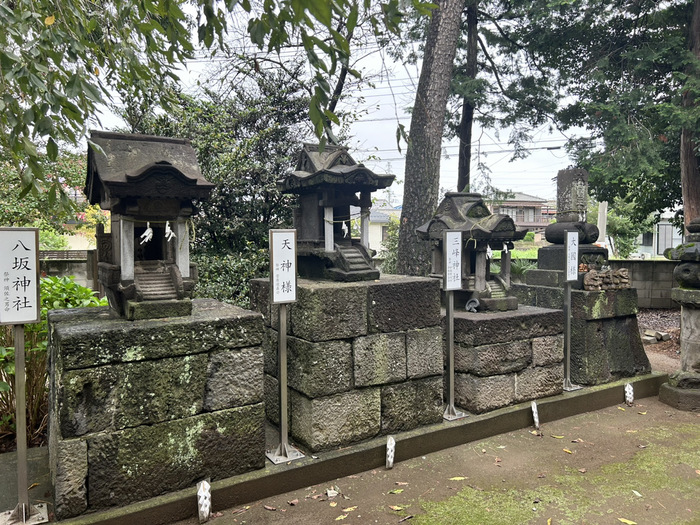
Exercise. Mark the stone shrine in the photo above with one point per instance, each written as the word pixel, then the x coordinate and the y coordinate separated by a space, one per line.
pixel 482 233
pixel 605 340
pixel 327 183
pixel 683 388
pixel 148 184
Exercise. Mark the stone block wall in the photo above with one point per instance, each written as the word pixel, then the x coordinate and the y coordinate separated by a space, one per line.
pixel 653 281
pixel 502 358
pixel 364 358
pixel 141 408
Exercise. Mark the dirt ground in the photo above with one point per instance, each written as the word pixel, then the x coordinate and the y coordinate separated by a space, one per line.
pixel 623 464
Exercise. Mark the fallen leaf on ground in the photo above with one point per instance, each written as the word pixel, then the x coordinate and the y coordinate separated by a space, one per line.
pixel 579 440
pixel 557 437
pixel 582 470
pixel 268 507
pixel 395 507
pixel 628 522
pixel 350 509
pixel 396 491
pixel 341 517
pixel 535 432
pixel 483 451
pixel 620 408
pixel 406 518
pixel 636 493
pixel 458 478
pixel 217 515
pixel 402 483
pixel 333 503
pixel 498 460
pixel 632 431
pixel 642 413
pixel 541 475
pixel 698 472
pixel 567 451
pixel 331 493
pixel 641 446
pixel 549 521
pixel 293 502
pixel 502 446
pixel 32 486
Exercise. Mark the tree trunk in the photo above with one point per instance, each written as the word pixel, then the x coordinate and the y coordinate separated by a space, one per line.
pixel 690 174
pixel 467 121
pixel 422 175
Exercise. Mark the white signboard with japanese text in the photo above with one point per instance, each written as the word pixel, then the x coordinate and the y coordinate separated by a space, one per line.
pixel 19 265
pixel 572 256
pixel 283 266
pixel 452 243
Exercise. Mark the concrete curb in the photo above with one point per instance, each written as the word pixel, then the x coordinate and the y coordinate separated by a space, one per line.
pixel 277 479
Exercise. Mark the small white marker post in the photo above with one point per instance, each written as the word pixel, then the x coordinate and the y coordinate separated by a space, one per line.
pixel 283 290
pixel 452 280
pixel 571 275
pixel 19 265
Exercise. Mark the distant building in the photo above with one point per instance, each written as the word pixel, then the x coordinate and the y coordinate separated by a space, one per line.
pixel 663 235
pixel 380 214
pixel 528 211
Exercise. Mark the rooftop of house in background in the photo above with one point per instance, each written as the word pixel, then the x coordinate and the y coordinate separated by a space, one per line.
pixel 528 211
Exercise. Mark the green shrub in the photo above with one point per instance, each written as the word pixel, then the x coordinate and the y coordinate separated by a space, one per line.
pixel 390 247
pixel 226 277
pixel 529 237
pixel 56 292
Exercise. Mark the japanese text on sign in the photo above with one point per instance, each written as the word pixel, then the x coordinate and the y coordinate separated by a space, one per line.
pixel 19 265
pixel 283 266
pixel 452 245
pixel 572 256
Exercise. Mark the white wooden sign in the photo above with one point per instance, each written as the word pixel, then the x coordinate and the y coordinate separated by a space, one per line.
pixel 283 266
pixel 19 266
pixel 452 246
pixel 572 256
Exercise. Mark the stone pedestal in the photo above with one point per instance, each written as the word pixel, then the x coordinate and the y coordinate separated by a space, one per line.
pixel 503 358
pixel 364 358
pixel 683 388
pixel 140 408
pixel 605 340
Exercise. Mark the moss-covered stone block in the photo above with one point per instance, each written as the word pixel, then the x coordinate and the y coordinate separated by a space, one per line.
pixel 538 382
pixel 547 350
pixel 234 378
pixel 138 463
pixel 341 419
pixel 424 352
pixel 399 303
pixel 379 359
pixel 411 404
pixel 527 322
pixel 604 304
pixel 479 394
pixel 69 471
pixel 328 310
pixel 130 394
pixel 319 369
pixel 496 359
pixel 88 337
pixel 589 358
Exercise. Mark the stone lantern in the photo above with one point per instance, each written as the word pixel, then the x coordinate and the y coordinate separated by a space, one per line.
pixel 148 184
pixel 482 233
pixel 327 183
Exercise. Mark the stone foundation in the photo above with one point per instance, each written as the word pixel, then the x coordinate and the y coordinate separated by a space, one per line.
pixel 141 408
pixel 605 340
pixel 364 358
pixel 503 358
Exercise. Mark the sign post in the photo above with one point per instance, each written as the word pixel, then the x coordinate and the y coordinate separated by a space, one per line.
pixel 571 276
pixel 19 265
pixel 283 290
pixel 452 280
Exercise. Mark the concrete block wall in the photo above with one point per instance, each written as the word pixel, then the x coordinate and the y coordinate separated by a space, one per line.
pixel 141 408
pixel 364 358
pixel 653 281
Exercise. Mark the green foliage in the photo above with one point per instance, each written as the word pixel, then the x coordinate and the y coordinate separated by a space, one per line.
pixel 226 277
pixel 59 61
pixel 390 247
pixel 56 292
pixel 529 237
pixel 50 240
pixel 244 141
pixel 623 225
pixel 518 266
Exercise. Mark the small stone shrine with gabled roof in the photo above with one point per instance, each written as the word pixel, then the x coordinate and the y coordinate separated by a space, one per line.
pixel 482 233
pixel 148 184
pixel 328 181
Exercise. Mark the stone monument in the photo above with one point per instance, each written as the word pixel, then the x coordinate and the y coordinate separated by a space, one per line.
pixel 683 388
pixel 327 182
pixel 482 233
pixel 148 184
pixel 605 340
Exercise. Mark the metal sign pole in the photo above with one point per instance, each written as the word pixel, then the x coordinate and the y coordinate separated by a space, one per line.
pixel 283 291
pixel 22 509
pixel 571 271
pixel 452 280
